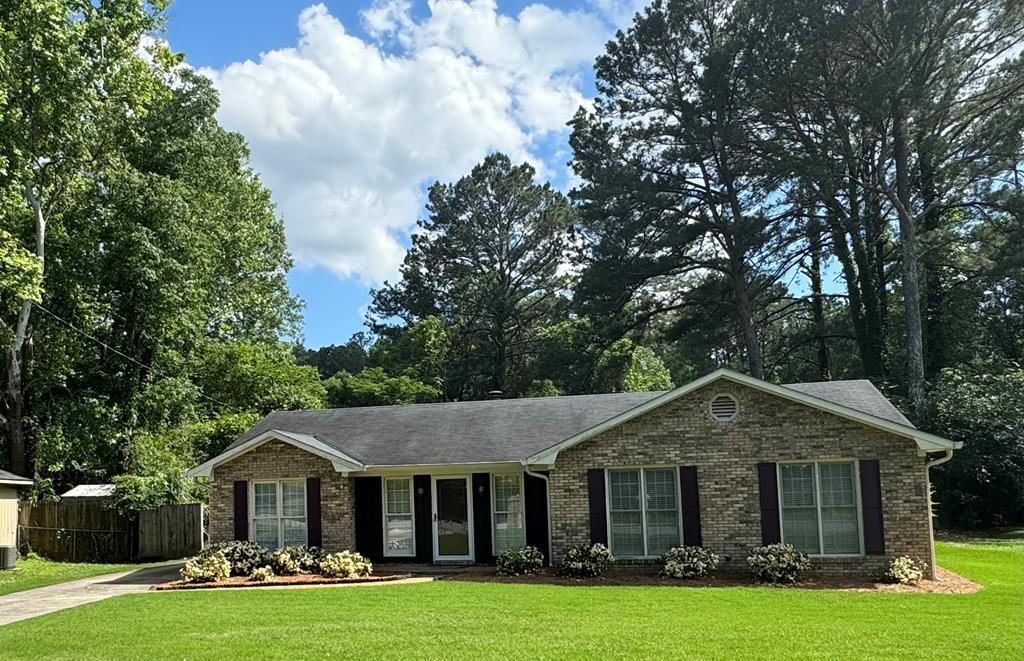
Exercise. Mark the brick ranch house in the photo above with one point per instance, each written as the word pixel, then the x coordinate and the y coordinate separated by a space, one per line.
pixel 728 462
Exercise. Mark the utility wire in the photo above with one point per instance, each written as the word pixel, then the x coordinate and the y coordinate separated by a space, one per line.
pixel 138 362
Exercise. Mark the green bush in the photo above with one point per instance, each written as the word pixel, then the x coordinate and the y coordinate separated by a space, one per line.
pixel 778 563
pixel 346 564
pixel 585 560
pixel 283 563
pixel 262 574
pixel 244 557
pixel 519 561
pixel 689 562
pixel 206 568
pixel 905 570
pixel 307 558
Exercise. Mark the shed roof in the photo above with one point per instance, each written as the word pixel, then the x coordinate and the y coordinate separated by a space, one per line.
pixel 89 491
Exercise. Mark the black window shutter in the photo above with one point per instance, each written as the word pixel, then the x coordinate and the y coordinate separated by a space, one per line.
pixel 424 518
pixel 314 526
pixel 536 499
pixel 691 506
pixel 369 516
pixel 241 510
pixel 482 517
pixel 768 484
pixel 598 519
pixel 871 506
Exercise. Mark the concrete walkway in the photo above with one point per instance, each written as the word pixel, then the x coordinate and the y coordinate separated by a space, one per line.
pixel 40 601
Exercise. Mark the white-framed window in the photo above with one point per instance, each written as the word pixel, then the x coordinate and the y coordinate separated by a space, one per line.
pixel 819 507
pixel 278 513
pixel 507 512
pixel 644 517
pixel 399 536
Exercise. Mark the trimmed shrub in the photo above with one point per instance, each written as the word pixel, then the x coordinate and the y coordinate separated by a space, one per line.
pixel 689 562
pixel 346 564
pixel 585 560
pixel 262 574
pixel 778 563
pixel 283 563
pixel 520 561
pixel 244 557
pixel 306 557
pixel 206 568
pixel 905 570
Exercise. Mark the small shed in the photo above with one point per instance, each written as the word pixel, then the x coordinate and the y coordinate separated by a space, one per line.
pixel 9 484
pixel 90 491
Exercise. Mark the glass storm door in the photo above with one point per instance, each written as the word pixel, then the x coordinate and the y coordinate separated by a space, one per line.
pixel 453 532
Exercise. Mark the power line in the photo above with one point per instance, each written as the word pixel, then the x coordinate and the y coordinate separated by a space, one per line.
pixel 138 362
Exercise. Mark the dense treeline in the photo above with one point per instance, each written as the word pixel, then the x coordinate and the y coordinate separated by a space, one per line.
pixel 795 190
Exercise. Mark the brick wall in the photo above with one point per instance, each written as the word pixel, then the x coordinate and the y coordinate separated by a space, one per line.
pixel 277 460
pixel 726 455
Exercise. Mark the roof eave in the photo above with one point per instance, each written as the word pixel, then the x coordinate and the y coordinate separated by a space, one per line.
pixel 341 462
pixel 924 440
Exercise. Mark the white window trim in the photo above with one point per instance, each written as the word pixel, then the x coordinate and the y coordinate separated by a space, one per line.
pixel 817 502
pixel 493 507
pixel 384 516
pixel 643 506
pixel 280 508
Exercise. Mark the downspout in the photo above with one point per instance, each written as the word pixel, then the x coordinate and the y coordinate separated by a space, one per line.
pixel 547 503
pixel 946 456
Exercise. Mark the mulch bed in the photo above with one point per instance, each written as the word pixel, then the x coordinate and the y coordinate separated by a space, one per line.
pixel 947 582
pixel 282 581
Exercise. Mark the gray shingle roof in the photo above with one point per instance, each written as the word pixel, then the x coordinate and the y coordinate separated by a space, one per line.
pixel 89 491
pixel 860 395
pixel 7 477
pixel 452 433
pixel 498 430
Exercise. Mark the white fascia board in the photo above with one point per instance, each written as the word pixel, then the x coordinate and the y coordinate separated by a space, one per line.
pixel 339 460
pixel 924 440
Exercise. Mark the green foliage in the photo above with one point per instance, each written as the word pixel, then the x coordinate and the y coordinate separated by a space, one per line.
pixel 777 563
pixel 689 562
pixel 520 561
pixel 626 367
pixel 542 388
pixel 585 560
pixel 983 486
pixel 134 493
pixel 245 557
pixel 262 575
pixel 350 357
pixel 373 387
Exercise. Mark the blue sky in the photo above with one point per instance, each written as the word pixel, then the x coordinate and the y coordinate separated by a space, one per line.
pixel 352 108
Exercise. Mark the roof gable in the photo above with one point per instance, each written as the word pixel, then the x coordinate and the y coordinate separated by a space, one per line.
pixel 886 418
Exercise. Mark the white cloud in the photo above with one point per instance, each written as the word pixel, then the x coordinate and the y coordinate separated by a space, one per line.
pixel 346 131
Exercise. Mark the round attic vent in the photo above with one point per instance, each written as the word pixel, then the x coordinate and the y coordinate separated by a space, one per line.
pixel 724 408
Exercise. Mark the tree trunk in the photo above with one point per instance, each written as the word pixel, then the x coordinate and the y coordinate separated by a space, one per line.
pixel 17 447
pixel 745 315
pixel 908 244
pixel 934 296
pixel 817 302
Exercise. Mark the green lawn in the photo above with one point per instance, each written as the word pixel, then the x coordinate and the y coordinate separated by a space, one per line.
pixel 482 621
pixel 36 572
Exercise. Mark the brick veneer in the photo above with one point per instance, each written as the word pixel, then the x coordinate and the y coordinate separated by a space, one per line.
pixel 726 455
pixel 277 460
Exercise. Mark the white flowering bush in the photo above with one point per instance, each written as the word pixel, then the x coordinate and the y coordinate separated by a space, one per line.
pixel 284 563
pixel 262 574
pixel 210 567
pixel 244 556
pixel 778 563
pixel 519 561
pixel 346 564
pixel 905 570
pixel 689 562
pixel 585 560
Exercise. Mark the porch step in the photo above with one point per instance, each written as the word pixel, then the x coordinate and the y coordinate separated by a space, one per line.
pixel 428 569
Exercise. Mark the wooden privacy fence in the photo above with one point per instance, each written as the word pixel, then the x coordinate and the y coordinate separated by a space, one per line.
pixel 85 530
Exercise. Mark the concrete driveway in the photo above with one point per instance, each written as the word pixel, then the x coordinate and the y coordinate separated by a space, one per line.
pixel 40 601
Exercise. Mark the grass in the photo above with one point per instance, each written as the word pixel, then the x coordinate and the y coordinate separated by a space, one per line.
pixel 488 620
pixel 35 572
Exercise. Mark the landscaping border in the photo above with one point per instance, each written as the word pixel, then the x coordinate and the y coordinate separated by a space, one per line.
pixel 236 582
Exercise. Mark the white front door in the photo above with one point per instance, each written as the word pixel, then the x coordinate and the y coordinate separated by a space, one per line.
pixel 453 517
